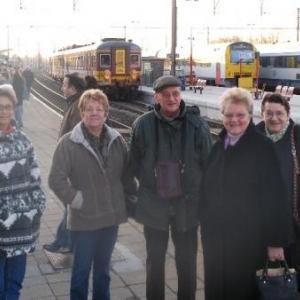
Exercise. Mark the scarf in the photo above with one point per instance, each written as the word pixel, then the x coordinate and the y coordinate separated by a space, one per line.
pixel 275 137
pixel 98 143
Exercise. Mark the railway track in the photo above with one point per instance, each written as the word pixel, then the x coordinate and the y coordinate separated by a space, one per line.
pixel 121 114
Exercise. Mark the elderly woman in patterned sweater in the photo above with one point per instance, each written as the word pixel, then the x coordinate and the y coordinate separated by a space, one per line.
pixel 22 200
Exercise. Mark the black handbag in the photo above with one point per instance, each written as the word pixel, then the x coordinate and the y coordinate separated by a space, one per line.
pixel 277 283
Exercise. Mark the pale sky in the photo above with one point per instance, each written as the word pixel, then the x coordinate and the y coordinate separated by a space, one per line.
pixel 50 24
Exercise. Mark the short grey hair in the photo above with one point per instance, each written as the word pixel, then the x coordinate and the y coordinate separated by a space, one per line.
pixel 237 95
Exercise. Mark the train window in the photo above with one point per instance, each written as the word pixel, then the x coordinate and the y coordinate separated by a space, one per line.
pixel 80 62
pixel 134 60
pixel 290 62
pixel 105 60
pixel 297 58
pixel 279 62
pixel 265 61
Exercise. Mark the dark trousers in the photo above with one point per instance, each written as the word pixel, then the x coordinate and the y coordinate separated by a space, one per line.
pixel 186 246
pixel 63 235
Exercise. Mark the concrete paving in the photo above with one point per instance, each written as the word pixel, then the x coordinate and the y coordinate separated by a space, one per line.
pixel 43 281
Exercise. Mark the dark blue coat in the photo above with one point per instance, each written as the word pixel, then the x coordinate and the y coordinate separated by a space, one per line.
pixel 243 210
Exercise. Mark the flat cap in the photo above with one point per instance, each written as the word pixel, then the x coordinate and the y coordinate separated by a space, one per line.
pixel 165 81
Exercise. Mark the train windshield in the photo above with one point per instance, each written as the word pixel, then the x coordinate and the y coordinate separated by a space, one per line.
pixel 242 55
pixel 105 60
pixel 241 52
pixel 134 60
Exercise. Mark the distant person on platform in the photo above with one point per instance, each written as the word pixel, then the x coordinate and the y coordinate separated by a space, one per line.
pixel 18 83
pixel 73 86
pixel 91 82
pixel 29 78
pixel 168 149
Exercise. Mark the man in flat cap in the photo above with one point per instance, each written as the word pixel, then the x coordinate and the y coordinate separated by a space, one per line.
pixel 168 148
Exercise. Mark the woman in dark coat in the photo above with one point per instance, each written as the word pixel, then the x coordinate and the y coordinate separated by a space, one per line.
pixel 243 215
pixel 277 125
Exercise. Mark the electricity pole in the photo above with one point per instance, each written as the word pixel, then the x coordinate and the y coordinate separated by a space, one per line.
pixel 174 37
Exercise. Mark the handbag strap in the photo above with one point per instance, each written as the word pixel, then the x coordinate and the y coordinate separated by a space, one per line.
pixel 282 263
pixel 295 175
pixel 183 140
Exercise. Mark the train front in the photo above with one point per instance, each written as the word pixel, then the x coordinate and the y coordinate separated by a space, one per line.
pixel 119 71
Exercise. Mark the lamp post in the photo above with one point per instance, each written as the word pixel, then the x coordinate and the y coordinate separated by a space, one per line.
pixel 191 57
pixel 298 17
pixel 174 37
pixel 8 45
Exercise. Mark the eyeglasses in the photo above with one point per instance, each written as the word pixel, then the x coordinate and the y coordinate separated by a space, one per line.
pixel 90 110
pixel 167 95
pixel 240 117
pixel 277 114
pixel 7 107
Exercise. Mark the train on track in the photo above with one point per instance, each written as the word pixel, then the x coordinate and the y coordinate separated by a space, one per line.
pixel 115 63
pixel 223 64
pixel 280 65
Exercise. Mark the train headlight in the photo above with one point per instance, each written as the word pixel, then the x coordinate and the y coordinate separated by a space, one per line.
pixel 134 74
pixel 107 75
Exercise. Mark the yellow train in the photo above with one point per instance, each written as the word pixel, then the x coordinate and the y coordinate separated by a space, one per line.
pixel 115 63
pixel 234 64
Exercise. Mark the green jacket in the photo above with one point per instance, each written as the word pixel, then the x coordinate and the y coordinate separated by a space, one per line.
pixel 151 210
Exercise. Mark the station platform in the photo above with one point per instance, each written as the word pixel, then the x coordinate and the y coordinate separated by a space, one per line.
pixel 48 279
pixel 209 102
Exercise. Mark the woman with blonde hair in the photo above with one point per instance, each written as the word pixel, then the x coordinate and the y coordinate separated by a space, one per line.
pixel 243 213
pixel 87 174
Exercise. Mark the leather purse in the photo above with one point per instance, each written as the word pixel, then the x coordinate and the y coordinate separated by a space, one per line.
pixel 169 174
pixel 168 179
pixel 277 283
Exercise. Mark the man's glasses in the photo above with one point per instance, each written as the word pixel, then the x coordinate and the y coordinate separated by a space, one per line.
pixel 167 95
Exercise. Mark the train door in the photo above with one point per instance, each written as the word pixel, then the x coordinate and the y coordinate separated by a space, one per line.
pixel 218 74
pixel 119 56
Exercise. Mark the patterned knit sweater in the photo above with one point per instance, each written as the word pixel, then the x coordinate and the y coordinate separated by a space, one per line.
pixel 22 200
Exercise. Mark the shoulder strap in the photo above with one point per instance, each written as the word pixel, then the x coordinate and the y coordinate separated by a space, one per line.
pixel 295 175
pixel 183 139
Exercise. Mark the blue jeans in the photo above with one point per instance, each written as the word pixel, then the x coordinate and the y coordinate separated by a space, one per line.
pixel 63 235
pixel 92 248
pixel 12 273
pixel 19 115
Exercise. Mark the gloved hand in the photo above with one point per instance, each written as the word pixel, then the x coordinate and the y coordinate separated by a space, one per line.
pixel 131 201
pixel 77 201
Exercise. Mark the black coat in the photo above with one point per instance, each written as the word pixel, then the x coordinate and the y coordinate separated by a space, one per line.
pixel 18 85
pixel 152 211
pixel 284 151
pixel 242 212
